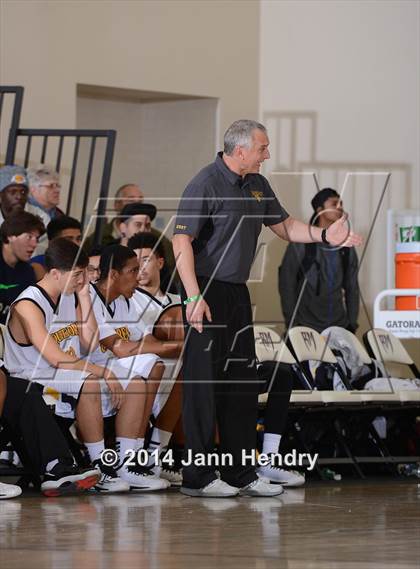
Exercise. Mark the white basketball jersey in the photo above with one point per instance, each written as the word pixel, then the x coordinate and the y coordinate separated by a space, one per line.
pixel 149 307
pixel 24 360
pixel 120 317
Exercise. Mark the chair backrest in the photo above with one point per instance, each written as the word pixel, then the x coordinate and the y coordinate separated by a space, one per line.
pixel 385 347
pixel 269 346
pixel 2 333
pixel 334 334
pixel 308 344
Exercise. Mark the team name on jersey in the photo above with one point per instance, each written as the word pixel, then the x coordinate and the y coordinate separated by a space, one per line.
pixel 123 332
pixel 64 333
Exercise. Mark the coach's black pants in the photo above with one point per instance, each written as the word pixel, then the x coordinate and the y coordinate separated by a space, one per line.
pixel 220 386
pixel 27 414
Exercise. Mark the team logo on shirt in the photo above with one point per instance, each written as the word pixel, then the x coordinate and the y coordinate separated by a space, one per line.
pixel 64 333
pixel 182 227
pixel 123 333
pixel 257 195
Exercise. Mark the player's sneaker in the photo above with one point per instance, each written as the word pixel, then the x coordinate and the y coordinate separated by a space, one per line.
pixel 290 478
pixel 9 491
pixel 109 481
pixel 141 478
pixel 67 478
pixel 171 474
pixel 215 489
pixel 259 488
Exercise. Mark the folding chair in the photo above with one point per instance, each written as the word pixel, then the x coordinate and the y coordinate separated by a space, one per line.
pixel 387 348
pixel 378 402
pixel 351 339
pixel 270 347
pixel 307 345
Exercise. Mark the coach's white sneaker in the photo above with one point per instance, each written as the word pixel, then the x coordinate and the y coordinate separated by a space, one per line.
pixel 216 489
pixel 141 478
pixel 9 491
pixel 259 488
pixel 109 481
pixel 289 478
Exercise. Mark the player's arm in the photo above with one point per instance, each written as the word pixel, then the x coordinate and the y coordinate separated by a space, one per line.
pixel 147 345
pixel 337 234
pixel 86 321
pixel 31 319
pixel 184 256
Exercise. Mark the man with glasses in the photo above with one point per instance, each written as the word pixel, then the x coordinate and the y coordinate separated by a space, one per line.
pixel 19 234
pixel 44 190
pixel 44 197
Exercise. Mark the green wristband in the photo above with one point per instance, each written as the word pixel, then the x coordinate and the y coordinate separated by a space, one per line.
pixel 192 298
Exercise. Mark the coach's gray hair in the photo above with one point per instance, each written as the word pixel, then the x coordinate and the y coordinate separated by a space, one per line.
pixel 240 134
pixel 37 176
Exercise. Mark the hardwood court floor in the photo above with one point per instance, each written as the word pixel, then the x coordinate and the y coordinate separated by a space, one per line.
pixel 324 526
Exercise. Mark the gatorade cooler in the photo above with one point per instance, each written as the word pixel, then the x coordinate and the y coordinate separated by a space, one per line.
pixel 407 265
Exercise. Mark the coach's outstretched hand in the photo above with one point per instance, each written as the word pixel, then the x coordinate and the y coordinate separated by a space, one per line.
pixel 339 234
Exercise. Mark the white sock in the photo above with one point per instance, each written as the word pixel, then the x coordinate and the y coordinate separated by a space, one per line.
pixel 159 439
pixel 271 443
pixel 140 444
pixel 124 445
pixel 95 449
pixel 51 465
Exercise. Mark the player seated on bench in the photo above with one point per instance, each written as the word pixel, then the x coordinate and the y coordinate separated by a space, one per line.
pixel 23 409
pixel 125 340
pixel 47 327
pixel 151 301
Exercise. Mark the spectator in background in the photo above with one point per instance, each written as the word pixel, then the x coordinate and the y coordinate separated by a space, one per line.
pixel 14 190
pixel 331 293
pixel 19 233
pixel 64 226
pixel 126 194
pixel 137 218
pixel 44 197
pixel 44 190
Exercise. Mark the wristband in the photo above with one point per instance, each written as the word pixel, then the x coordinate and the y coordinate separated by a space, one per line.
pixel 192 298
pixel 324 237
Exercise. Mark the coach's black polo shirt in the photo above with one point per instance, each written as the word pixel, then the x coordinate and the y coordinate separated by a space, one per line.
pixel 225 213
